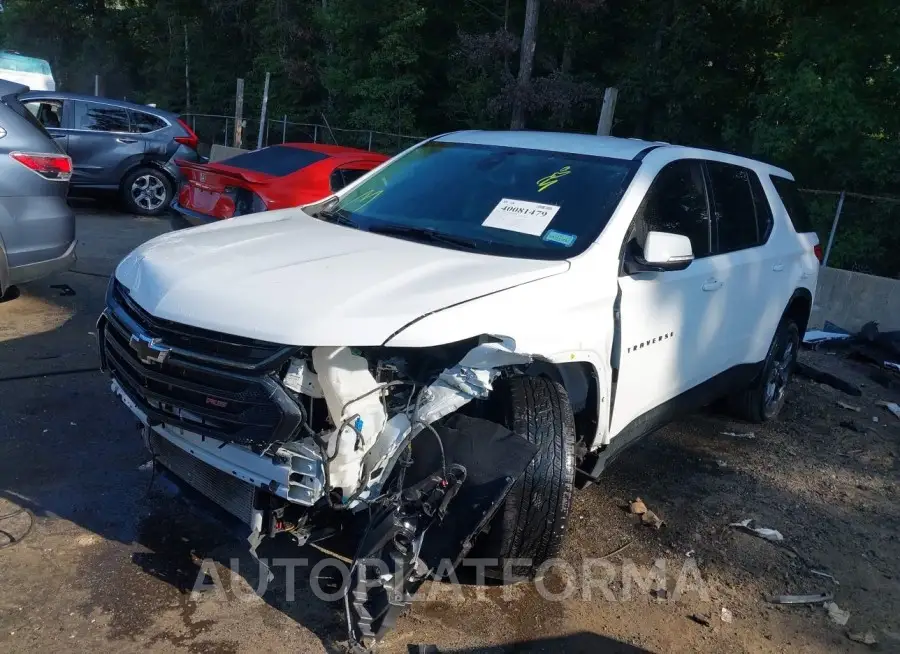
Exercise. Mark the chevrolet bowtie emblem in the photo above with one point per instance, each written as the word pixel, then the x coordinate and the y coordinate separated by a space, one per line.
pixel 149 350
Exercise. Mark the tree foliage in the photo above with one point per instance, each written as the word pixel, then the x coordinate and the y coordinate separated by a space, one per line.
pixel 810 84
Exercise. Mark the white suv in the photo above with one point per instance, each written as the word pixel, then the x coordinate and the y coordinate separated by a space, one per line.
pixel 533 301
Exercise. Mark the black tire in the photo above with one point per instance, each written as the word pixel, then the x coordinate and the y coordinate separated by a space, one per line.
pixel 533 520
pixel 757 404
pixel 159 184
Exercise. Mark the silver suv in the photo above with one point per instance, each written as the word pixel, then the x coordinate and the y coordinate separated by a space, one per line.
pixel 37 227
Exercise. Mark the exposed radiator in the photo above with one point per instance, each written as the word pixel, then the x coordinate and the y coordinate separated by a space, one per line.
pixel 233 495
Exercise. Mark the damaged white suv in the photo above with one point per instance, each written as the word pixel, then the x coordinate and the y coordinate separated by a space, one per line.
pixel 445 343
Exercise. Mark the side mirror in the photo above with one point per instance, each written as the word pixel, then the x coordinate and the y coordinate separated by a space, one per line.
pixel 662 252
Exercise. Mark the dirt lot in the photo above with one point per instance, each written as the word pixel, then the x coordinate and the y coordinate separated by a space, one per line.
pixel 110 561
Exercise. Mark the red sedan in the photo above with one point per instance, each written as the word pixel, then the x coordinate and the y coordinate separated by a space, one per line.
pixel 275 177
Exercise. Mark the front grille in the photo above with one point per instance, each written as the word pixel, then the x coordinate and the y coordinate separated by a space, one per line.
pixel 233 495
pixel 196 386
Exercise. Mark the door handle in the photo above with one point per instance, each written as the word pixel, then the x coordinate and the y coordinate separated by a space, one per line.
pixel 57 136
pixel 712 285
pixel 778 267
pixel 126 141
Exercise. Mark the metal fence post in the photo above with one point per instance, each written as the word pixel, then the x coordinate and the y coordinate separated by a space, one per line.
pixel 315 133
pixel 837 217
pixel 370 140
pixel 284 130
pixel 226 132
pixel 262 116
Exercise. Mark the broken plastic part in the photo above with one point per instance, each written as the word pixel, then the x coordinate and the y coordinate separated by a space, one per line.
pixel 300 379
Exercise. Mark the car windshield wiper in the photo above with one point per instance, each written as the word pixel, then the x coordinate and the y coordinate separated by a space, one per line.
pixel 429 235
pixel 336 216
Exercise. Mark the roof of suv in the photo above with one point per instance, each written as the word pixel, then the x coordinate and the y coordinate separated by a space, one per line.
pixel 588 144
pixel 56 95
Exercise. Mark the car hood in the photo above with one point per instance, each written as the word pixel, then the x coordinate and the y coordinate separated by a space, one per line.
pixel 288 278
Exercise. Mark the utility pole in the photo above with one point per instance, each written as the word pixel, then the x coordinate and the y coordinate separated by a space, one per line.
pixel 187 73
pixel 262 115
pixel 608 111
pixel 239 114
pixel 526 63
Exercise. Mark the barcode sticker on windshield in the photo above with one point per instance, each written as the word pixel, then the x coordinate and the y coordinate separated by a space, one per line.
pixel 521 216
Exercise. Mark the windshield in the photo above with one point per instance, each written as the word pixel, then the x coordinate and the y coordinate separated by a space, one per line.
pixel 497 200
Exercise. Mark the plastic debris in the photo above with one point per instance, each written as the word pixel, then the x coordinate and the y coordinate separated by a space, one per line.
pixel 732 434
pixel 849 407
pixel 727 616
pixel 768 534
pixel 816 336
pixel 893 407
pixel 837 614
pixel 874 418
pixel 867 638
pixel 825 575
pixel 821 598
pixel 893 365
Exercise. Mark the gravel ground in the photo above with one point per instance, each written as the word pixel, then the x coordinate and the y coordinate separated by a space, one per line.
pixel 111 560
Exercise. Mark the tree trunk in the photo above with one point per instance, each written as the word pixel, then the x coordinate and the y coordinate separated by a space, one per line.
pixel 526 63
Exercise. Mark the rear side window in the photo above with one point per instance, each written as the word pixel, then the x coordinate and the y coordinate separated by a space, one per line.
pixel 13 103
pixel 734 207
pixel 277 160
pixel 764 218
pixel 676 204
pixel 100 117
pixel 793 202
pixel 341 177
pixel 142 123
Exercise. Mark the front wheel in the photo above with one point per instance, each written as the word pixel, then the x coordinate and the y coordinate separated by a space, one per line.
pixel 531 523
pixel 147 191
pixel 764 400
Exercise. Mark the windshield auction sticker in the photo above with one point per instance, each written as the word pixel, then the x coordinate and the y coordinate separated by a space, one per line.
pixel 521 216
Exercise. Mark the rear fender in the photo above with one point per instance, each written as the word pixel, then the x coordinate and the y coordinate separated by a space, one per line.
pixel 4 268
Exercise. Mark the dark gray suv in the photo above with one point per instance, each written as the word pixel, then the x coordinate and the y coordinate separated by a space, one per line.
pixel 118 146
pixel 37 227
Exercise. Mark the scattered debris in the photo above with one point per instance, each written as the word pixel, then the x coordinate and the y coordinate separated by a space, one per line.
pixel 892 365
pixel 652 520
pixel 637 507
pixel 837 614
pixel 768 534
pixel 64 289
pixel 825 575
pixel 699 618
pixel 727 616
pixel 144 467
pixel 617 550
pixel 732 434
pixel 874 418
pixel 827 378
pixel 852 425
pixel 893 407
pixel 849 407
pixel 689 554
pixel 817 336
pixel 867 638
pixel 821 598
pixel 659 593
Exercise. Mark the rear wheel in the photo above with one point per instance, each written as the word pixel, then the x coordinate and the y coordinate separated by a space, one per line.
pixel 147 191
pixel 531 523
pixel 764 400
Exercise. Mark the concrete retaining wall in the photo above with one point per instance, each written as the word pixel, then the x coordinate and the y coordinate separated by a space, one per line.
pixel 851 299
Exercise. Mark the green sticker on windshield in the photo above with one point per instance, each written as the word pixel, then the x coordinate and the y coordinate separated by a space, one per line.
pixel 551 179
pixel 563 238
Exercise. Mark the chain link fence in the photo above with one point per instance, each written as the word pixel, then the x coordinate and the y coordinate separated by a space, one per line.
pixel 858 232
pixel 219 129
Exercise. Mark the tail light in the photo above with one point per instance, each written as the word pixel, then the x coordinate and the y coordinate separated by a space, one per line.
pixel 817 249
pixel 57 167
pixel 191 140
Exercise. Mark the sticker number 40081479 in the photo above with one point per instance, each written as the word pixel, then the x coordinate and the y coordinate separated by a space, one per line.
pixel 521 216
